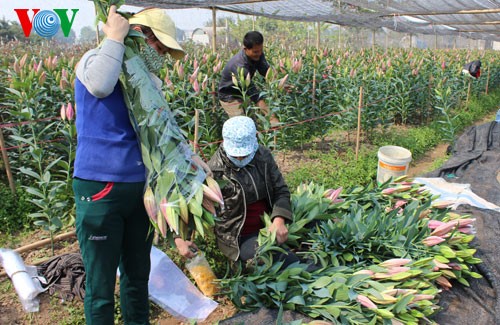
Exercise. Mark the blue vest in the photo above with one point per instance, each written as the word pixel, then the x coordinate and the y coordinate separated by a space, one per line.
pixel 107 146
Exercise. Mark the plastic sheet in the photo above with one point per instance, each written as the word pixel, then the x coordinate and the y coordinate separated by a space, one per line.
pixel 170 289
pixel 26 288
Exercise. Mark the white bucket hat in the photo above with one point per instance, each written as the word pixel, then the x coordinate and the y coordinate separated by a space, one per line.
pixel 240 136
pixel 162 26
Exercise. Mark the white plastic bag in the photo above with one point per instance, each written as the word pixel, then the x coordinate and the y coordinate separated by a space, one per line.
pixel 170 289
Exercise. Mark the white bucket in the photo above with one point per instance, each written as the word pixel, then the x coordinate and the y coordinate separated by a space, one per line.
pixel 393 161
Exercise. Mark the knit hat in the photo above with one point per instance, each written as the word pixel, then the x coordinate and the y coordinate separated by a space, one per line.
pixel 162 26
pixel 240 136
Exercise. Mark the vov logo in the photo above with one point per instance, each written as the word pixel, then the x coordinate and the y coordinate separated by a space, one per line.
pixel 46 23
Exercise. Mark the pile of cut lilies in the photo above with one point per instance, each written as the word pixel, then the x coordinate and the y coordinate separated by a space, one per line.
pixel 382 255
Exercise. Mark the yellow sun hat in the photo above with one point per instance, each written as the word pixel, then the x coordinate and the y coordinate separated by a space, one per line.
pixel 162 26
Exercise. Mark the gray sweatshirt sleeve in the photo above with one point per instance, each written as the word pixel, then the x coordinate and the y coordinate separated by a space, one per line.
pixel 100 68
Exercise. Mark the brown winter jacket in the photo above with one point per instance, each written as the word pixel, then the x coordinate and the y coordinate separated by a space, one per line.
pixel 259 180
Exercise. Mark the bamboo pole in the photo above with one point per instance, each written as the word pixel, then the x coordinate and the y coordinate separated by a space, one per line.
pixel 487 80
pixel 196 130
pixel 468 94
pixel 360 105
pixel 214 30
pixel 318 35
pixel 45 242
pixel 314 80
pixel 373 40
pixel 6 163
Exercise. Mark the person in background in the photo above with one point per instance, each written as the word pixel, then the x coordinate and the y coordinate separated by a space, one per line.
pixel 253 186
pixel 112 225
pixel 251 59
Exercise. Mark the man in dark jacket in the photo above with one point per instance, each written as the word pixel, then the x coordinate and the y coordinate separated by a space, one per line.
pixel 253 185
pixel 250 59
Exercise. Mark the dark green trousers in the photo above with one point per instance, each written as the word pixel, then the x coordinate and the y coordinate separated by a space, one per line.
pixel 112 227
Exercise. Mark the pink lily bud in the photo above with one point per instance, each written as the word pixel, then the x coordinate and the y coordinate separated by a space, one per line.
pixel 433 224
pixel 150 204
pixel 466 230
pixel 204 83
pixel 194 76
pixel 325 52
pixel 63 84
pixel 283 82
pixel 442 204
pixel 389 63
pixel 399 204
pixel 64 73
pixel 169 83
pixel 365 301
pixel 440 265
pixel 63 112
pixel 41 79
pixel 333 195
pixel 195 64
pixel 196 86
pixel 22 62
pixel 180 71
pixel 465 222
pixel 70 112
pixel 444 228
pixel 54 61
pixel 338 61
pixel 217 67
pixel 395 262
pixel 419 297
pixel 39 67
pixel 16 68
pixel 367 272
pixel 352 74
pixel 208 205
pixel 397 269
pixel 443 65
pixel 432 240
pixel 443 282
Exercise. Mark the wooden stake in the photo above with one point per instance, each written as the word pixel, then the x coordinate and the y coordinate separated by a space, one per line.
pixel 318 35
pixel 314 80
pixel 196 128
pixel 359 120
pixel 214 97
pixel 6 163
pixel 468 94
pixel 487 80
pixel 214 30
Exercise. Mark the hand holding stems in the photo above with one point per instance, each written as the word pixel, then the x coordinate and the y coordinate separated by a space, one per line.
pixel 186 248
pixel 280 228
pixel 116 27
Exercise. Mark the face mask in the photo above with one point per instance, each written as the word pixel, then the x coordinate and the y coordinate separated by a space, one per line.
pixel 154 61
pixel 242 163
